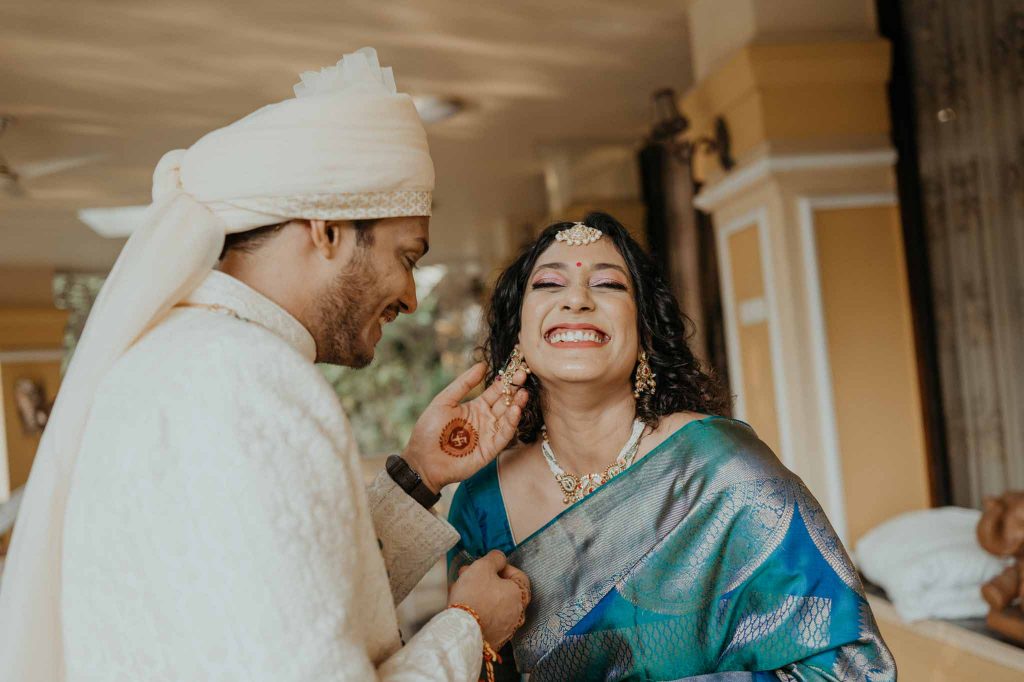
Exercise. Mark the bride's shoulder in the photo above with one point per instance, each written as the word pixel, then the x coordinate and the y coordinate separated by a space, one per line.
pixel 678 420
pixel 670 423
pixel 725 441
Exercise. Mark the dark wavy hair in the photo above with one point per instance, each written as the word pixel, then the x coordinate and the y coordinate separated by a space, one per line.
pixel 663 332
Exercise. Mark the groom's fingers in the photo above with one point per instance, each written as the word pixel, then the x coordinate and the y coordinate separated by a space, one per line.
pixel 505 426
pixel 519 578
pixel 499 407
pixel 493 396
pixel 463 384
pixel 506 417
pixel 510 414
pixel 520 399
pixel 495 559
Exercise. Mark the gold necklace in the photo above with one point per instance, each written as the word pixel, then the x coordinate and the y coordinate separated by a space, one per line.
pixel 574 488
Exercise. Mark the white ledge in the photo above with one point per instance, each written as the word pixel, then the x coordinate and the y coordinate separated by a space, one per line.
pixel 711 197
pixel 35 355
pixel 953 635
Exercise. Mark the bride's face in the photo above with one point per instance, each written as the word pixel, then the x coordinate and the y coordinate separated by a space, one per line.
pixel 579 316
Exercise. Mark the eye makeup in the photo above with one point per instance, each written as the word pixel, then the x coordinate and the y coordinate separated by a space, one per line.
pixel 609 282
pixel 548 279
pixel 609 275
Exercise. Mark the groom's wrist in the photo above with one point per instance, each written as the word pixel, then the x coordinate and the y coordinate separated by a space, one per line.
pixel 409 479
pixel 420 468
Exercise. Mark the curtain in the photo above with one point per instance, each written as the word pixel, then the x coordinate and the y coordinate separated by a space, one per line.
pixel 967 67
pixel 682 240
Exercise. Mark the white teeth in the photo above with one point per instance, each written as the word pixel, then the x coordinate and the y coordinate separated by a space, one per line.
pixel 577 335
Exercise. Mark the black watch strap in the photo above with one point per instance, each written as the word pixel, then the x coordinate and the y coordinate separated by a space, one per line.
pixel 409 481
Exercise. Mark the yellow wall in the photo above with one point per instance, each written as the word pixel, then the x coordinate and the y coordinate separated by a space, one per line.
pixel 754 339
pixel 30 343
pixel 871 352
pixel 720 27
pixel 21 447
pixel 798 97
pixel 31 328
pixel 745 257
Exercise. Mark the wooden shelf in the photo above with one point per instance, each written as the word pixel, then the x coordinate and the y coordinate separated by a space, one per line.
pixel 32 328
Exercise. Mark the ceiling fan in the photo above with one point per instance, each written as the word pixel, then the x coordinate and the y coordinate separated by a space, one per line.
pixel 12 179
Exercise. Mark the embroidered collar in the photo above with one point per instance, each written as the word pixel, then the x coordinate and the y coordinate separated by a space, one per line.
pixel 222 290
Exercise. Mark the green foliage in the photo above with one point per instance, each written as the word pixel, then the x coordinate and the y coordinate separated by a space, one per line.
pixel 417 357
pixel 75 292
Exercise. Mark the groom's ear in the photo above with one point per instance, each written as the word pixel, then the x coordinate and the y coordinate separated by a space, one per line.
pixel 329 237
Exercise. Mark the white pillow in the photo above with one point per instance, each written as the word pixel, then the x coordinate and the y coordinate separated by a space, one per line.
pixel 929 563
pixel 953 602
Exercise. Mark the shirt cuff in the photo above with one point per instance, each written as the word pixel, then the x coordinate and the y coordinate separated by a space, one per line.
pixel 412 538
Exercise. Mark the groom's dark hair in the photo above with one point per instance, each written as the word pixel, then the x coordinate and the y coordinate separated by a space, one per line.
pixel 683 384
pixel 250 240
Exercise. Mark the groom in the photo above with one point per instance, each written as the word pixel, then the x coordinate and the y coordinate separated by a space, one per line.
pixel 196 509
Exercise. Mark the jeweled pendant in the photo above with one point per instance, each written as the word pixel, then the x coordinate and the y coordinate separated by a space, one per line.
pixel 568 482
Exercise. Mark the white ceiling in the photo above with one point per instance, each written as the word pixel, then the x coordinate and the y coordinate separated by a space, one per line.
pixel 128 80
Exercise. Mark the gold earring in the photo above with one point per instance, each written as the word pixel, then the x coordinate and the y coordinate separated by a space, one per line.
pixel 644 382
pixel 516 361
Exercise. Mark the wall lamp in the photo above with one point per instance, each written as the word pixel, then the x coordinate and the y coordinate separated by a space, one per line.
pixel 670 123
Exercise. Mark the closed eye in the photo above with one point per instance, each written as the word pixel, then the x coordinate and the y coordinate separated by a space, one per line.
pixel 618 286
pixel 546 285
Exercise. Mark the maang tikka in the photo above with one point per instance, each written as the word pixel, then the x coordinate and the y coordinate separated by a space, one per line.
pixel 516 361
pixel 579 234
pixel 644 381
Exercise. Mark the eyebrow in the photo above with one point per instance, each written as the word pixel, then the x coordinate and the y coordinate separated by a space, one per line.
pixel 597 266
pixel 424 244
pixel 611 266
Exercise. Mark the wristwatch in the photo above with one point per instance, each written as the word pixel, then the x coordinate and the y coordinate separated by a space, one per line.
pixel 409 481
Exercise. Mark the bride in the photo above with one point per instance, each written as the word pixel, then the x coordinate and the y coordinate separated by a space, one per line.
pixel 663 541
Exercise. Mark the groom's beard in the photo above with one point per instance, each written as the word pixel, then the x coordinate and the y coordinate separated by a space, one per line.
pixel 348 305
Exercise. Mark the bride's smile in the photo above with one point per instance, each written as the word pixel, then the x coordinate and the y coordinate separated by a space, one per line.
pixel 576 336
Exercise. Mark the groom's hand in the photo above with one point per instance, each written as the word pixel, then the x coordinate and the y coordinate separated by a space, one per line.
pixel 498 592
pixel 453 440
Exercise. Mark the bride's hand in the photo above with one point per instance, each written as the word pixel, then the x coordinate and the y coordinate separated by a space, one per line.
pixel 453 440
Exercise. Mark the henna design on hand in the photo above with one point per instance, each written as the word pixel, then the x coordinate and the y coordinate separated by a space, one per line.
pixel 458 438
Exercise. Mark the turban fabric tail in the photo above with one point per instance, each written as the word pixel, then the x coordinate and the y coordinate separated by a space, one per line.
pixel 163 261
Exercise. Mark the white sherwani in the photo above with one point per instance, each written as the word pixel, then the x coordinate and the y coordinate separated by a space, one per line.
pixel 217 526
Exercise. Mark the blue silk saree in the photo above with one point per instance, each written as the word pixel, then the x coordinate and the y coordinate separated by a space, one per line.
pixel 707 559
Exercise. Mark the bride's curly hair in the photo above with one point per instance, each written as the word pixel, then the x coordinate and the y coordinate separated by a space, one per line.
pixel 663 332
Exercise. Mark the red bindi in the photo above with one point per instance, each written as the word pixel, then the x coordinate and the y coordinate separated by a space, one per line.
pixel 579 264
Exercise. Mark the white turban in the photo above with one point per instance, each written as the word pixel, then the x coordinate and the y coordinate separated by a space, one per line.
pixel 348 146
